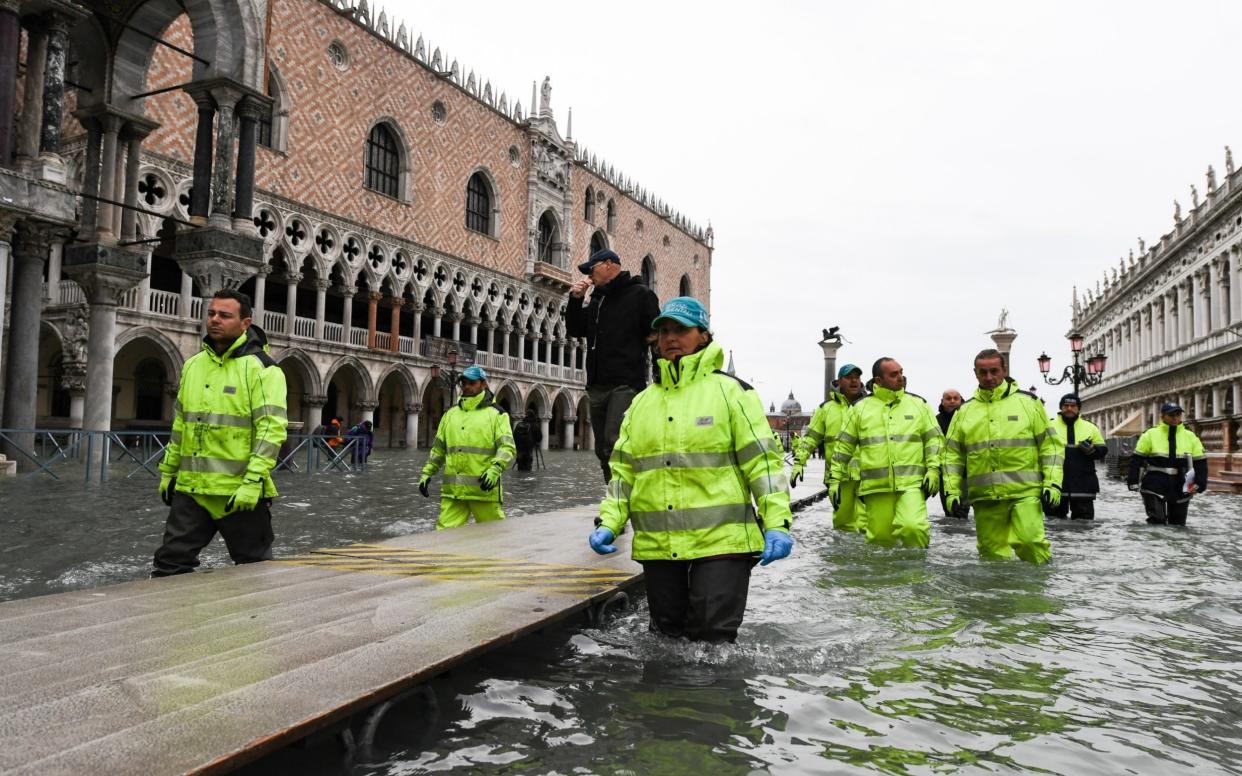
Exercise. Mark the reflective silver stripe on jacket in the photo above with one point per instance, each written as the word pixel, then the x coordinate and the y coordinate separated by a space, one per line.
pixel 1163 470
pixel 619 489
pixel 904 470
pixel 766 486
pixel 756 448
pixel 1024 442
pixel 682 461
pixel 696 519
pixel 265 448
pixel 217 419
pixel 269 410
pixel 198 463
pixel 462 479
pixel 472 450
pixel 1004 478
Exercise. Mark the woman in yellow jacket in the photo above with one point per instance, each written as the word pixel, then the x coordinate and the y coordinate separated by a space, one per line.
pixel 694 459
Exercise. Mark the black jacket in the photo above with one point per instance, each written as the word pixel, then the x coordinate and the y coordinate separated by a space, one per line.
pixel 944 418
pixel 616 324
pixel 1079 477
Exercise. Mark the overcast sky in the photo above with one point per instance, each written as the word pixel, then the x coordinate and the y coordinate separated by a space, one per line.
pixel 900 169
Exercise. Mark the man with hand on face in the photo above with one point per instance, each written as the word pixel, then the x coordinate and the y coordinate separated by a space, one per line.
pixel 229 421
pixel 895 443
pixel 1000 444
pixel 1084 445
pixel 698 472
pixel 617 326
pixel 474 444
pixel 823 429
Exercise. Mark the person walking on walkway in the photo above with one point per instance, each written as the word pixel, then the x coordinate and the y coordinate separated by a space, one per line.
pixel 474 445
pixel 694 458
pixel 823 429
pixel 229 421
pixel 1168 467
pixel 1001 451
pixel 1084 445
pixel 617 326
pixel 893 441
pixel 524 441
pixel 950 400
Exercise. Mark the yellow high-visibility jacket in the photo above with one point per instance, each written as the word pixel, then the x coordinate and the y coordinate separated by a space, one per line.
pixel 473 436
pixel 893 439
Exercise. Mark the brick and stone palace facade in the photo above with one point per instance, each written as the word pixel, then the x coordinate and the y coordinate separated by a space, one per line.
pixel 380 202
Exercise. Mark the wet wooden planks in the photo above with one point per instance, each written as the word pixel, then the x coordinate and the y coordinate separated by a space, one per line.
pixel 210 670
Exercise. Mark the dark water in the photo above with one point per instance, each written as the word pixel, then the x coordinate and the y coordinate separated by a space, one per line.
pixel 1123 655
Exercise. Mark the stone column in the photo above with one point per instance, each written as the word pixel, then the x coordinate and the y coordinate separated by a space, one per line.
pixel 7 222
pixel 260 294
pixel 226 99
pixel 77 399
pixel 1235 285
pixel 90 178
pixel 1172 320
pixel 54 257
pixel 200 194
pixel 436 317
pixel 455 318
pixel 573 354
pixel 54 86
pixel 1220 291
pixel 10 41
pixel 490 328
pixel 1003 339
pixel 416 309
pixel 544 423
pixel 321 301
pixel 588 437
pixel 187 295
pixel 107 177
pixel 367 410
pixel 291 301
pixel 133 156
pixel 411 425
pixel 521 349
pixel 372 313
pixel 830 346
pixel 1200 404
pixel 567 435
pixel 1218 401
pixel 32 91
pixel 1237 397
pixel 313 407
pixel 248 112
pixel 1198 295
pixel 1187 294
pixel 474 329
pixel 504 341
pixel 29 248
pixel 394 325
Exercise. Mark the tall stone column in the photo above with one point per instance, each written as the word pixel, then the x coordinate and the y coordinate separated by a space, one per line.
pixel 567 434
pixel 321 303
pixel 455 318
pixel 1220 292
pixel 248 111
pixel 10 42
pixel 134 135
pixel 490 328
pixel 1200 404
pixel 474 330
pixel 437 314
pixel 367 410
pixel 90 177
pixel 394 326
pixel 54 96
pixel 347 314
pixel 55 254
pixel 32 91
pixel 521 349
pixel 544 423
pixel 226 98
pixel 504 341
pixel 200 193
pixel 372 313
pixel 1187 294
pixel 1003 338
pixel 830 346
pixel 312 405
pixel 291 302
pixel 1218 400
pixel 187 296
pixel 411 425
pixel 7 222
pixel 260 294
pixel 1235 286
pixel 29 247
pixel 416 309
pixel 107 177
pixel 1172 321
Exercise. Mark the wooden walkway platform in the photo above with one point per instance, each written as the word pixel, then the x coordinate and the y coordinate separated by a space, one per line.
pixel 208 671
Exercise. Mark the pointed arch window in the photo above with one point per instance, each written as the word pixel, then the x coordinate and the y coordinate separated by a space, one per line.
pixel 588 207
pixel 549 239
pixel 649 271
pixel 479 204
pixel 612 216
pixel 383 167
pixel 273 124
pixel 683 288
pixel 598 242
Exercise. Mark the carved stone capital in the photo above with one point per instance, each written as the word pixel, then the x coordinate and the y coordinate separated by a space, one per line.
pixel 323 285
pixel 413 409
pixel 105 272
pixel 314 400
pixel 366 406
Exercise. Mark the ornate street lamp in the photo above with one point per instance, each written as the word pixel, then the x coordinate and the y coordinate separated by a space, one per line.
pixel 451 377
pixel 1078 374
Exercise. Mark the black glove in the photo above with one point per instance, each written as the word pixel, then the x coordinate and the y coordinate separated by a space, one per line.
pixel 423 487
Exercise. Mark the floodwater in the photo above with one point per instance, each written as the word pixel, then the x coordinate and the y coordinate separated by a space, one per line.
pixel 1122 655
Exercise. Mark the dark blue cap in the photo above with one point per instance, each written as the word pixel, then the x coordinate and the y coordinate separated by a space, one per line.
pixel 599 256
pixel 1070 398
pixel 1170 408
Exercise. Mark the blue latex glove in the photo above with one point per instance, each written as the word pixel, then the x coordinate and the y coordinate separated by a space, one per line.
pixel 245 498
pixel 834 493
pixel 489 478
pixel 776 545
pixel 601 541
pixel 952 503
pixel 1051 495
pixel 168 486
pixel 424 487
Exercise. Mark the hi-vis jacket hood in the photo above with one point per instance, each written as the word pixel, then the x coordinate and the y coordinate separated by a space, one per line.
pixel 695 452
pixel 229 419
pixel 1000 440
pixel 473 436
pixel 892 437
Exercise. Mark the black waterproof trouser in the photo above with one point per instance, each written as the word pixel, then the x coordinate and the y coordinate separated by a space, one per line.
pixel 189 528
pixel 1074 507
pixel 702 600
pixel 608 406
pixel 1162 510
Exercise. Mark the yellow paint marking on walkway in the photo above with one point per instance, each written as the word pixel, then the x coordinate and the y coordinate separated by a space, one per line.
pixel 407 553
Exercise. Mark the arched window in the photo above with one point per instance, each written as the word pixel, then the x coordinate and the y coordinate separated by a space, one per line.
pixel 479 204
pixel 683 288
pixel 588 207
pixel 649 271
pixel 612 216
pixel 273 124
pixel 383 161
pixel 598 241
pixel 549 239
